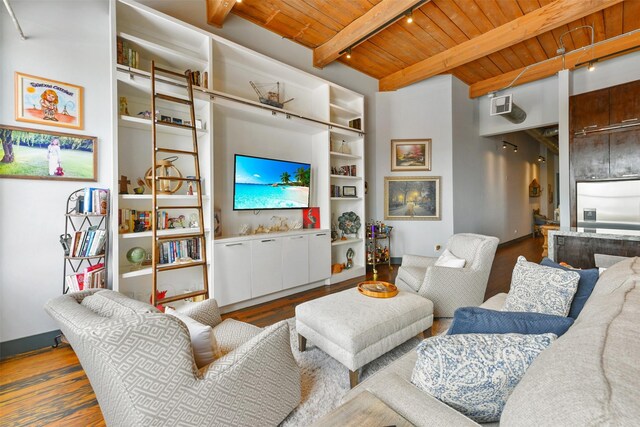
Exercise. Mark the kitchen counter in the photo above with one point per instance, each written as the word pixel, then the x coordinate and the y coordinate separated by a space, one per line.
pixel 577 246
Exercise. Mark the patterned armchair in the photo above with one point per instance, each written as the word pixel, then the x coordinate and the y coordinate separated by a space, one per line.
pixel 451 288
pixel 140 364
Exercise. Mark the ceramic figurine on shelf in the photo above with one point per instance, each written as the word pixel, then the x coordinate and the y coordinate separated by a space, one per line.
pixel 350 255
pixel 145 114
pixel 124 109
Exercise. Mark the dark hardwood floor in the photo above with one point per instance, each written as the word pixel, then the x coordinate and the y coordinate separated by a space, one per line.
pixel 49 387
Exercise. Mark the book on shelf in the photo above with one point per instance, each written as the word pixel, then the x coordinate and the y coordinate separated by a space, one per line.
pixel 133 221
pixel 89 242
pixel 93 201
pixel 91 277
pixel 172 251
pixel 126 55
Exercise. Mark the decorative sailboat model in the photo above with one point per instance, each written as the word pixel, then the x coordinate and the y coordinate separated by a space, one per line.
pixel 272 97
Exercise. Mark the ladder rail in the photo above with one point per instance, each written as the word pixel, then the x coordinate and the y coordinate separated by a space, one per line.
pixel 155 182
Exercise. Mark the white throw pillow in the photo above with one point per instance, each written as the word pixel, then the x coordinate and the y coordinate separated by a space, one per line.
pixel 203 341
pixel 539 289
pixel 476 373
pixel 447 259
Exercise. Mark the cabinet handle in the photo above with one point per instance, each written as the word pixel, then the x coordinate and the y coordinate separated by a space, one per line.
pixel 296 237
pixel 592 126
pixel 268 240
pixel 233 244
pixel 630 120
pixel 321 234
pixel 630 174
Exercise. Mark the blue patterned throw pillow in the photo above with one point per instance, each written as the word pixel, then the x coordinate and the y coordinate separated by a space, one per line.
pixel 475 373
pixel 587 282
pixel 539 289
pixel 476 320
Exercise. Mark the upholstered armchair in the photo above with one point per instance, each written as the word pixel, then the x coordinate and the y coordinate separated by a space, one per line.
pixel 141 366
pixel 450 288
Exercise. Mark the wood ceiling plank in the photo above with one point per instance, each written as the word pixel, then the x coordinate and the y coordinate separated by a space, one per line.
pixel 373 61
pixel 465 74
pixel 379 15
pixel 631 16
pixel 512 10
pixel 546 40
pixel 217 11
pixel 613 20
pixel 552 66
pixel 539 21
pixel 597 20
pixel 580 37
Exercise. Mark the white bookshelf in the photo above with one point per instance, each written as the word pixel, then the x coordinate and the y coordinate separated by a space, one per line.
pixel 235 122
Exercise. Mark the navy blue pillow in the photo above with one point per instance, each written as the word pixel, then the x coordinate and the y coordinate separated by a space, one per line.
pixel 587 282
pixel 476 320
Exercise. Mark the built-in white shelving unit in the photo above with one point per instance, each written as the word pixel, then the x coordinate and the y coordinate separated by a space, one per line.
pixel 322 126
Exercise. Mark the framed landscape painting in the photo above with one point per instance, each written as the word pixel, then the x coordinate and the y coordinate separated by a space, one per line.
pixel 411 154
pixel 412 198
pixel 48 102
pixel 36 154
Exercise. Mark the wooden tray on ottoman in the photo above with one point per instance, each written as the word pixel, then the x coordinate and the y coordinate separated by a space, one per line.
pixel 377 289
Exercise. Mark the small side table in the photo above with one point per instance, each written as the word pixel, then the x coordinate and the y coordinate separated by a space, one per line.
pixel 545 233
pixel 376 253
pixel 363 410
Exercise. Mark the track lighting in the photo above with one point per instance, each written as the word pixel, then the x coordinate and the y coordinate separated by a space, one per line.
pixel 409 17
pixel 591 66
pixel 505 143
pixel 349 53
pixel 542 159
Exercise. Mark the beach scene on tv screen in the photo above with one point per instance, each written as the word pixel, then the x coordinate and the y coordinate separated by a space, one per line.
pixel 270 184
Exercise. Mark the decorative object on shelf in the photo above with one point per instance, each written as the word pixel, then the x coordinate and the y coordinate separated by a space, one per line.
pixel 377 253
pixel 350 254
pixel 140 188
pixel 311 218
pixel 39 100
pixel 166 169
pixel 412 198
pixel 166 119
pixel 261 229
pixel 352 170
pixel 217 222
pixel 176 120
pixel 337 268
pixel 159 295
pixel 244 230
pixel 349 223
pixel 199 124
pixel 177 222
pixel 193 221
pixel 534 188
pixel 47 155
pixel 273 96
pixel 349 191
pixel 190 185
pixel 136 256
pixel 334 228
pixel 296 225
pixel 65 241
pixel 377 289
pixel 123 108
pixel 123 183
pixel 356 124
pixel 145 114
pixel 205 79
pixel 411 154
pixel 279 223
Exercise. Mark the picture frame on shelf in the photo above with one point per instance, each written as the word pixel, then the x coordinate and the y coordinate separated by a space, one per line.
pixel 166 119
pixel 412 198
pixel 48 102
pixel 349 191
pixel 311 217
pixel 42 154
pixel 410 155
pixel 176 121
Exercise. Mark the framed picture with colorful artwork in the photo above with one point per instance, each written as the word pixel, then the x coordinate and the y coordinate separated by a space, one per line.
pixel 48 102
pixel 412 198
pixel 410 155
pixel 42 154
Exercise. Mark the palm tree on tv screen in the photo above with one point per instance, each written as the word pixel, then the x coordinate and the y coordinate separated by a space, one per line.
pixel 303 176
pixel 285 177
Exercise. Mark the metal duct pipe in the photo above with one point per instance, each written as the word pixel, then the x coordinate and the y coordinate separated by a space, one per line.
pixel 517 114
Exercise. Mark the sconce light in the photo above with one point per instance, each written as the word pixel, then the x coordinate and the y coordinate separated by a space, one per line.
pixel 505 143
pixel 542 159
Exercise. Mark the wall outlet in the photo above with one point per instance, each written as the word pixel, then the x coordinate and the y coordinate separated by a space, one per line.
pixel 437 247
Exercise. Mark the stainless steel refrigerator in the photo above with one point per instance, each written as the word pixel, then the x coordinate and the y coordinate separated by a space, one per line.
pixel 609 204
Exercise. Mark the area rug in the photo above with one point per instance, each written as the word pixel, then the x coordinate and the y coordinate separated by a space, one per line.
pixel 325 381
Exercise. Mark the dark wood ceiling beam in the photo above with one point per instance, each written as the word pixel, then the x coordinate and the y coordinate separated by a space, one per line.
pixel 217 11
pixel 551 67
pixel 376 18
pixel 548 17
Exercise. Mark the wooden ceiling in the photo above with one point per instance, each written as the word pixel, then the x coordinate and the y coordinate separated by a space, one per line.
pixel 507 35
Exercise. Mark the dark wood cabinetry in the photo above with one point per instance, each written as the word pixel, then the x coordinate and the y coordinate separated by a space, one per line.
pixel 604 140
pixel 579 252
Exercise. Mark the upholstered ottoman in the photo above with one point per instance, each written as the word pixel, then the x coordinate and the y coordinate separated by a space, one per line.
pixel 355 329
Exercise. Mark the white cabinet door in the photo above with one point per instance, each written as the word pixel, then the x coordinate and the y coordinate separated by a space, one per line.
pixel 232 273
pixel 295 261
pixel 319 256
pixel 266 266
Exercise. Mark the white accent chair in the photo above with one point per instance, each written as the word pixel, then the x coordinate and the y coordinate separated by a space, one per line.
pixel 451 288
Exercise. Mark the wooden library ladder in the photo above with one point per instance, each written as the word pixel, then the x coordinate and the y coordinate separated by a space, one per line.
pixel 158 185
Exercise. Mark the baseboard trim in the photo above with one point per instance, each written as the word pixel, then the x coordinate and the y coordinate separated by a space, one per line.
pixel 23 345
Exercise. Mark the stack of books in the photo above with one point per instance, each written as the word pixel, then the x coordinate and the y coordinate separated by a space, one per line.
pixel 94 201
pixel 126 55
pixel 88 243
pixel 92 277
pixel 176 250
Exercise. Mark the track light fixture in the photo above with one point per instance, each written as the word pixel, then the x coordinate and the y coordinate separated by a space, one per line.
pixel 505 143
pixel 349 53
pixel 591 66
pixel 542 159
pixel 410 17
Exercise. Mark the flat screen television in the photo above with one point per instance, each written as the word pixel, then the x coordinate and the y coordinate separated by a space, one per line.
pixel 261 183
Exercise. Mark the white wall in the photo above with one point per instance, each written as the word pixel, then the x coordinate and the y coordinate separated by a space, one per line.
pixel 67 41
pixel 614 72
pixel 422 110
